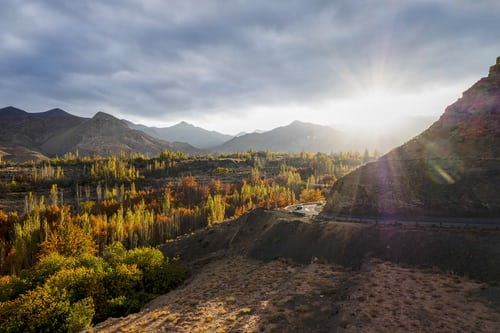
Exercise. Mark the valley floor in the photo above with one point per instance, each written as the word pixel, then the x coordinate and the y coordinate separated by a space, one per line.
pixel 236 294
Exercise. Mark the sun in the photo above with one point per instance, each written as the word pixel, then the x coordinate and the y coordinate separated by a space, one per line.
pixel 375 110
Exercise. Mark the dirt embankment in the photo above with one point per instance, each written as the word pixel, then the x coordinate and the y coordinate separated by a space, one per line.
pixel 267 235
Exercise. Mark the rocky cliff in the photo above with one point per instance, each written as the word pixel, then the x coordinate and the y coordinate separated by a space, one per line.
pixel 451 169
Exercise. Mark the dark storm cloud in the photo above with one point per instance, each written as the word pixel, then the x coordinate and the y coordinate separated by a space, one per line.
pixel 161 58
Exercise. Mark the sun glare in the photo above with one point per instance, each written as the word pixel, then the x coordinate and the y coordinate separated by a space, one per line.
pixel 375 111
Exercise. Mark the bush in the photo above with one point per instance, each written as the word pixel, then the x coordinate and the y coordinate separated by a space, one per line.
pixel 39 310
pixel 11 287
pixel 146 259
pixel 165 277
pixel 78 283
pixel 80 315
pixel 62 294
pixel 159 274
pixel 123 279
pixel 114 253
pixel 96 263
pixel 50 265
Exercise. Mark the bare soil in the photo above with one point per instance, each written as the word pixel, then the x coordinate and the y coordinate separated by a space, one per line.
pixel 237 294
pixel 275 272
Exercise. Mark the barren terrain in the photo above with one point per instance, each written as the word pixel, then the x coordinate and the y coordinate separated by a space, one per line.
pixel 247 277
pixel 242 295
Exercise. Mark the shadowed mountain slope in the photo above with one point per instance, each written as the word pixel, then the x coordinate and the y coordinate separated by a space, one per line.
pixel 451 169
pixel 296 137
pixel 23 133
pixel 31 129
pixel 307 137
pixel 105 135
pixel 34 136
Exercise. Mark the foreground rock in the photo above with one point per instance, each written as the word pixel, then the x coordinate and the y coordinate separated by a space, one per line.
pixel 451 169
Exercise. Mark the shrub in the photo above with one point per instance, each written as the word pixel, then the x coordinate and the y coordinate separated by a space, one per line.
pixel 78 283
pixel 123 279
pixel 146 258
pixel 159 273
pixel 96 263
pixel 50 265
pixel 39 310
pixel 12 286
pixel 114 253
pixel 65 294
pixel 80 315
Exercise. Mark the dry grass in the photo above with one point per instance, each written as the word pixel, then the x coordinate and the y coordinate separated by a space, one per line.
pixel 238 295
pixel 242 295
pixel 411 300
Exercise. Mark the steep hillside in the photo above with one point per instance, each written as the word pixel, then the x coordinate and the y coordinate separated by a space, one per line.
pixel 184 132
pixel 105 135
pixel 451 169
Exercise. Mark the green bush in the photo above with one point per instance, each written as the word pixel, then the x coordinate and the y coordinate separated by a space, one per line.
pixel 123 279
pixel 79 283
pixel 114 253
pixel 62 294
pixel 165 277
pixel 145 258
pixel 12 286
pixel 90 261
pixel 39 310
pixel 159 274
pixel 80 315
pixel 50 265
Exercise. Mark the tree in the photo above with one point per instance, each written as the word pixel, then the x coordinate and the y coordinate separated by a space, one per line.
pixel 68 239
pixel 310 195
pixel 216 208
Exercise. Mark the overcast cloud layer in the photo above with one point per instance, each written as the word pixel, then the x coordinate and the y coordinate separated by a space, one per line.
pixel 220 62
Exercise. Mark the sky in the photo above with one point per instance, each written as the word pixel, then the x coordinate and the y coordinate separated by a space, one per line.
pixel 241 65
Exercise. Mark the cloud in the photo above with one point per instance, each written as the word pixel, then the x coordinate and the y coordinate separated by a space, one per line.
pixel 188 59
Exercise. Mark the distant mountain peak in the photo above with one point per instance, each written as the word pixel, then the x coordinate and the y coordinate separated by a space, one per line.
pixel 298 122
pixel 184 124
pixel 104 116
pixel 185 132
pixel 56 110
pixel 11 111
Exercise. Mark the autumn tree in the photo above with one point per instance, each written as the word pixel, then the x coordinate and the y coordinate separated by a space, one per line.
pixel 311 195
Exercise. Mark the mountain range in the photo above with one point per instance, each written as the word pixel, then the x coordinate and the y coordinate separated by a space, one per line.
pixel 35 136
pixel 451 169
pixel 184 132
pixel 307 137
